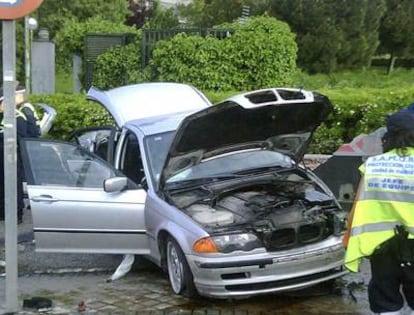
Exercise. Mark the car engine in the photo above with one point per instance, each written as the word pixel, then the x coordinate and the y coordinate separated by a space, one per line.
pixel 289 212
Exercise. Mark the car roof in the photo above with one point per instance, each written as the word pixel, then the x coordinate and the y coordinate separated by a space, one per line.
pixel 158 124
pixel 151 99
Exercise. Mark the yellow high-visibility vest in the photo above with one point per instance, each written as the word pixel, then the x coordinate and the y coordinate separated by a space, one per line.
pixel 386 199
pixel 18 114
pixel 31 107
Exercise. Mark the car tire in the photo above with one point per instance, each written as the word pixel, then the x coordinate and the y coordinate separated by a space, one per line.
pixel 179 273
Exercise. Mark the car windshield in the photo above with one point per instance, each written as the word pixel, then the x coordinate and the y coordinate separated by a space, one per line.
pixel 234 163
pixel 157 147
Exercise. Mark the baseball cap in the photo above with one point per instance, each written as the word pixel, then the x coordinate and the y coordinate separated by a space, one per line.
pixel 403 119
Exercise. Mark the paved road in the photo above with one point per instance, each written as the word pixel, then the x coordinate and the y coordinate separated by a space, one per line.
pixel 68 280
pixel 147 290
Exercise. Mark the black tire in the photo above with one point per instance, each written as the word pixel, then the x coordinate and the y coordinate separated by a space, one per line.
pixel 179 273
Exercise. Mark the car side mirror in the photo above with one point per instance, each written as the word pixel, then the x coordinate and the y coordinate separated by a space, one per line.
pixel 115 184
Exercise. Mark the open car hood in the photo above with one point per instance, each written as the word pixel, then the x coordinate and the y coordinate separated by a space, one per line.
pixel 276 119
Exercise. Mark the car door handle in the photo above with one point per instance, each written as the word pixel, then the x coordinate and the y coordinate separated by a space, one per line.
pixel 44 198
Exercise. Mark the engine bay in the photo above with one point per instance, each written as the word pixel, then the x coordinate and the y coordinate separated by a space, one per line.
pixel 288 212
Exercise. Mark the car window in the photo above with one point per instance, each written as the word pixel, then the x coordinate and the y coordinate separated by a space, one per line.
pixel 131 162
pixel 64 164
pixel 94 139
pixel 234 163
pixel 157 147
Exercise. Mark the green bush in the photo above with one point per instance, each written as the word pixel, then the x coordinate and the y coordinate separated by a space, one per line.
pixel 73 112
pixel 118 66
pixel 70 39
pixel 261 53
pixel 356 111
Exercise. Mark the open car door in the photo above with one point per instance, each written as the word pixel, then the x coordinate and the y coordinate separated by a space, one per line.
pixel 99 140
pixel 71 210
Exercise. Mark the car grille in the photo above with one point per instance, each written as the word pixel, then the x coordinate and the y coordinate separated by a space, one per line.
pixel 295 236
pixel 280 283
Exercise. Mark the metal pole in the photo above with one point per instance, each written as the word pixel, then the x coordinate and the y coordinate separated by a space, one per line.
pixel 27 54
pixel 10 163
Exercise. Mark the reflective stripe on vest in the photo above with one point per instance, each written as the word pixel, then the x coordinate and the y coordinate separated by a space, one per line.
pixel 386 199
pixel 18 114
pixel 31 107
pixel 378 227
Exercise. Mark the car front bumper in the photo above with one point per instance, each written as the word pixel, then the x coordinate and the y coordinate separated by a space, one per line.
pixel 246 275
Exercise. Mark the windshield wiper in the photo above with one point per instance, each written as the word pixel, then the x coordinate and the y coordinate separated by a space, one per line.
pixel 262 169
pixel 201 180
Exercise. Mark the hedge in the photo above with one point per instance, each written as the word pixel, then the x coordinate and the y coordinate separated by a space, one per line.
pixel 261 53
pixel 356 111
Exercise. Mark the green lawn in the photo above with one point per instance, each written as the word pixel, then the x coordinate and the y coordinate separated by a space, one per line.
pixel 370 78
pixel 367 80
pixel 373 78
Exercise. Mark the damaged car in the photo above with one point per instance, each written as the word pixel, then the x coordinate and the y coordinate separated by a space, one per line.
pixel 216 196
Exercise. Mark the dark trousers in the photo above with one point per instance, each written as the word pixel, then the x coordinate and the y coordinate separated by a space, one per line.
pixel 390 281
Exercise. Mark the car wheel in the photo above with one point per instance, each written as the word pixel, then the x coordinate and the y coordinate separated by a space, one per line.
pixel 179 273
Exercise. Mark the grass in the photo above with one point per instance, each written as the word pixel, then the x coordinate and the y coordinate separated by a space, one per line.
pixel 368 81
pixel 367 78
pixel 64 82
pixel 372 78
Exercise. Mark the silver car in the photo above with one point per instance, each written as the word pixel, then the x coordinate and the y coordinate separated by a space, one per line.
pixel 214 195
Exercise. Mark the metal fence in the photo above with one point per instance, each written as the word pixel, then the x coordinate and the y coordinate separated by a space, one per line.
pixel 151 36
pixel 96 44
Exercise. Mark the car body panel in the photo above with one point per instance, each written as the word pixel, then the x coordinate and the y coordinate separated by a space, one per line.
pixel 148 100
pixel 261 273
pixel 279 195
pixel 239 122
pixel 80 218
pixel 48 116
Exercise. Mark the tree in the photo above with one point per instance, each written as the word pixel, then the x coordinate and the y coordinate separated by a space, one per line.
pixel 332 34
pixel 206 13
pixel 70 39
pixel 141 11
pixel 54 14
pixel 397 29
pixel 162 18
pixel 260 53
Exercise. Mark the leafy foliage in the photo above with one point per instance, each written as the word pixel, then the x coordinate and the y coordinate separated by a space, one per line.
pixel 119 66
pixel 356 111
pixel 261 53
pixel 163 19
pixel 70 39
pixel 55 14
pixel 397 28
pixel 204 13
pixel 332 34
pixel 73 112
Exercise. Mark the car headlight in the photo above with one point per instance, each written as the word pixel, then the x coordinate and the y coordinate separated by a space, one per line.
pixel 227 243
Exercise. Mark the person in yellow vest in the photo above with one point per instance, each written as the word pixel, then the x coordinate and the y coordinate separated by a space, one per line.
pixel 381 222
pixel 21 131
pixel 32 119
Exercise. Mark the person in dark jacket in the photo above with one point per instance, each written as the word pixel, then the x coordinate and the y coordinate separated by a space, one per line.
pixel 21 132
pixel 33 127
